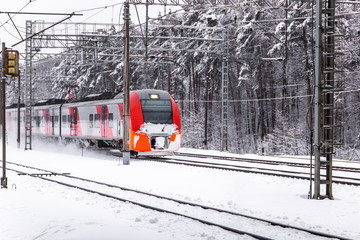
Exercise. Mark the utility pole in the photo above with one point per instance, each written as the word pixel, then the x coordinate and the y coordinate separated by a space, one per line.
pixel 324 120
pixel 317 103
pixel 146 28
pixel 224 92
pixel 3 117
pixel 28 85
pixel 126 138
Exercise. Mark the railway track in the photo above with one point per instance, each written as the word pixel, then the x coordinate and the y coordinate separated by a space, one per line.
pixel 268 162
pixel 227 220
pixel 247 165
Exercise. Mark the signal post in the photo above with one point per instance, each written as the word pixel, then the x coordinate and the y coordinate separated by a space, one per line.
pixel 10 67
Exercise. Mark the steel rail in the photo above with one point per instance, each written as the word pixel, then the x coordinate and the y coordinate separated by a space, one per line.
pixel 268 162
pixel 248 169
pixel 237 231
pixel 273 223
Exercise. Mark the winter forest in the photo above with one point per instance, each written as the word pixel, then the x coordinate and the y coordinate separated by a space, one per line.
pixel 271 74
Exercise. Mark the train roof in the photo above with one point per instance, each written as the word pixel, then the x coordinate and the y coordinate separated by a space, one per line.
pixel 145 94
pixel 15 105
pixel 153 94
pixel 51 101
pixel 90 97
pixel 96 96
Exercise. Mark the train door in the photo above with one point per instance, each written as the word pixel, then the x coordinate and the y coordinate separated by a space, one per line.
pixel 52 122
pixel 103 121
pixel 74 120
pixel 120 121
pixel 46 121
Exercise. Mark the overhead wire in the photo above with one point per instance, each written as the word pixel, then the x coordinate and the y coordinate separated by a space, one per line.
pixel 94 14
pixel 16 37
pixel 13 24
pixel 30 1
pixel 97 8
pixel 264 99
pixel 102 8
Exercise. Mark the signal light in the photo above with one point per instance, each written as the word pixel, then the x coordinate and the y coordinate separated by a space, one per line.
pixel 12 63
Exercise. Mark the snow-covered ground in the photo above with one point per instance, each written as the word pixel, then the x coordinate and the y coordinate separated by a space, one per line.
pixel 34 209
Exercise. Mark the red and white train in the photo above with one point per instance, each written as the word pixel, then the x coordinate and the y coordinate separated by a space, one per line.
pixel 155 126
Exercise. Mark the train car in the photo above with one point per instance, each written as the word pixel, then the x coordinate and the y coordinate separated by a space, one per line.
pixel 97 121
pixel 45 118
pixel 155 126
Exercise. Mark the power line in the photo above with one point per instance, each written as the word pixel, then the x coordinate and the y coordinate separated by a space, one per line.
pixel 97 8
pixel 263 99
pixel 10 18
pixel 94 14
pixel 16 13
pixel 42 13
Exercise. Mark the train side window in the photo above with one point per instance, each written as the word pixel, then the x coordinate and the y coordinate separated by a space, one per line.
pixel 91 120
pixel 69 119
pixel 37 121
pixel 47 116
pixel 97 120
pixel 111 120
pixel 42 121
pixel 63 121
pixel 56 121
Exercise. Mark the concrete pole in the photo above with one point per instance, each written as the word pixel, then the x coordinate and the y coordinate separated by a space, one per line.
pixel 317 102
pixel 126 138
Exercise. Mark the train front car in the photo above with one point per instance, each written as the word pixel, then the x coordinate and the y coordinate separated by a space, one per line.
pixel 155 126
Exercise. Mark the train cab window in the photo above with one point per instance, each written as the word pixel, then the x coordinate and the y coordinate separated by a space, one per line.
pixel 111 120
pixel 91 120
pixel 97 121
pixel 157 111
pixel 69 119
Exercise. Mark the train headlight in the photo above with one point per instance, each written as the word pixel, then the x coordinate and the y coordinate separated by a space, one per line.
pixel 154 96
pixel 143 130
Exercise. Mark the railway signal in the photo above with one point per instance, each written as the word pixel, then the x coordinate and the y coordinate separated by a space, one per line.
pixel 11 63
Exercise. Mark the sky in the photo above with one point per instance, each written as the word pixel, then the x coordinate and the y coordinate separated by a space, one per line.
pixel 36 209
pixel 95 11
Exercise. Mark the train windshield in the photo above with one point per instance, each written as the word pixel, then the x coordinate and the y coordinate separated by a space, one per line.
pixel 157 111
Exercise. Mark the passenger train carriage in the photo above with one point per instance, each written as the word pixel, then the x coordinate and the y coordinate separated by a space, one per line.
pixel 155 127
